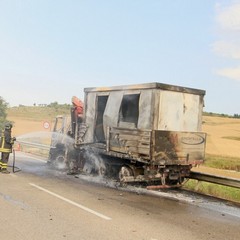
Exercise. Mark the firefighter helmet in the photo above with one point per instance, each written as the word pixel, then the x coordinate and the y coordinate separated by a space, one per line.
pixel 8 126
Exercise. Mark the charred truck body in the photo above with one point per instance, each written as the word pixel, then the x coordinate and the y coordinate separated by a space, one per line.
pixel 148 132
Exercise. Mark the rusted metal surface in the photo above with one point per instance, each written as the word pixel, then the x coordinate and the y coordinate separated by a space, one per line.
pixel 231 182
pixel 159 147
pixel 170 147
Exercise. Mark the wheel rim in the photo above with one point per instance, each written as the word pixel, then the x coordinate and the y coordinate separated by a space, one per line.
pixel 124 172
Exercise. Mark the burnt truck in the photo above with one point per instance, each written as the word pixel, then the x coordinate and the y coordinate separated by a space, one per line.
pixel 149 132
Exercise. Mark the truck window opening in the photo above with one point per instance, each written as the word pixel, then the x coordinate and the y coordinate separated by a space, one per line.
pixel 129 110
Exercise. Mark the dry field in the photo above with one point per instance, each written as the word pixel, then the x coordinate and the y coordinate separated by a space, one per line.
pixel 223 136
pixel 31 119
pixel 25 126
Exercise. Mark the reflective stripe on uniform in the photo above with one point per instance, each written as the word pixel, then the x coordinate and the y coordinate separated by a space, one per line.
pixel 5 150
pixel 4 166
pixel 2 149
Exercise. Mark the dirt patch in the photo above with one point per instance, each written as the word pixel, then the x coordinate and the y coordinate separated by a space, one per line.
pixel 22 126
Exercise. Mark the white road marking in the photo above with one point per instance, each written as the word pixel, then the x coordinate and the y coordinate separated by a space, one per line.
pixel 71 202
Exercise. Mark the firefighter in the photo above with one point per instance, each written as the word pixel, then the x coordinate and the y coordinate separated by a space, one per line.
pixel 6 144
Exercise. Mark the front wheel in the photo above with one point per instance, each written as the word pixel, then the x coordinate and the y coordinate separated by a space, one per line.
pixel 60 162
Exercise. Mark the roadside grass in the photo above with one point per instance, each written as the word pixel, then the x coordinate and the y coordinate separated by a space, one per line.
pixel 211 189
pixel 222 162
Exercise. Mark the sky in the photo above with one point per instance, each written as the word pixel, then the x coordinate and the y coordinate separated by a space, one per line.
pixel 52 50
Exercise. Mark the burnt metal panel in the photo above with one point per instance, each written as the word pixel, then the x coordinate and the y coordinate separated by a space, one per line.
pixel 90 116
pixel 133 142
pixel 178 147
pixel 111 113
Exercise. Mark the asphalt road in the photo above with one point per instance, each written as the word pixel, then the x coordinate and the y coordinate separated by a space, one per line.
pixel 41 203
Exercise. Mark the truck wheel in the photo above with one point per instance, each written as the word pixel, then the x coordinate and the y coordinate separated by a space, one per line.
pixel 125 171
pixel 59 162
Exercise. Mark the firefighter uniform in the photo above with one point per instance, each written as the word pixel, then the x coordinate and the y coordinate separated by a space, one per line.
pixel 6 144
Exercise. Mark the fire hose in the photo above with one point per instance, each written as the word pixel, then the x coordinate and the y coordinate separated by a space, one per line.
pixel 13 165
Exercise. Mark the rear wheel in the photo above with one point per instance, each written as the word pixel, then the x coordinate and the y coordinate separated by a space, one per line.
pixel 124 173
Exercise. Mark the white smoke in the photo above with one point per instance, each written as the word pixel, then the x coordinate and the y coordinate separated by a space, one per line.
pixel 94 164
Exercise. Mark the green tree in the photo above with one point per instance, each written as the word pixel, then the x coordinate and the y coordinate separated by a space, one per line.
pixel 3 112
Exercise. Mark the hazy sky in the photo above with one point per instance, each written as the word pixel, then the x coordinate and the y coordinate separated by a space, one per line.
pixel 51 49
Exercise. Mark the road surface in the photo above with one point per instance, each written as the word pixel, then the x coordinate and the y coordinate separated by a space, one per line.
pixel 41 203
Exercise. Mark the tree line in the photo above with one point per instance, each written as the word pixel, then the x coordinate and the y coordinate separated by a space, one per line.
pixel 221 115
